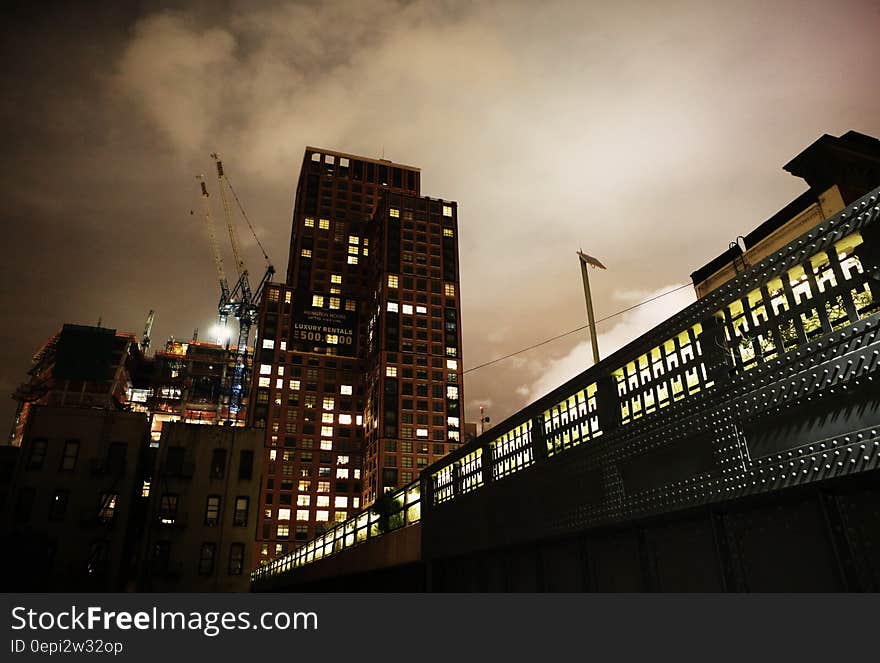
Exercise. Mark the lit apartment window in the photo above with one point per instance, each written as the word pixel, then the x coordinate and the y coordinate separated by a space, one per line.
pixel 341 472
pixel 353 239
pixel 393 307
pixel 359 420
pixel 421 432
pixel 334 302
pixel 357 475
pixel 451 352
pixel 355 501
pixel 265 369
pixel 283 514
pixel 309 222
pixel 451 392
pixel 279 384
pixel 447 232
pixel 339 517
pixel 391 371
pixel 395 213
pixel 366 252
pixel 317 301
pixel 306 253
pixel 273 294
pixel 322 516
pixel 449 289
pixel 352 260
pixel 303 500
pixel 302 514
pixel 336 278
pixel 452 364
pixel 422 310
pixel 392 280
pixel 212 510
pixel 283 531
pixel 294 385
pixel 323 224
pixel 327 418
pixel 304 486
pixel 240 515
pixel 323 486
pixel 408 309
pixel 341 502
pixel 345 390
pixel 286 301
pixel 280 370
pixel 350 305
pixel 326 445
pixel 344 419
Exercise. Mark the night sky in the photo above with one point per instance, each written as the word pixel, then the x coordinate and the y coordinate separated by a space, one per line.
pixel 650 134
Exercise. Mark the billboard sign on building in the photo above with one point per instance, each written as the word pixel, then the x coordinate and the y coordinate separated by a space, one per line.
pixel 325 321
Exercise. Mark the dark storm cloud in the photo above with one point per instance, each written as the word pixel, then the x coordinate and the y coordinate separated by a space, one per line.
pixel 649 134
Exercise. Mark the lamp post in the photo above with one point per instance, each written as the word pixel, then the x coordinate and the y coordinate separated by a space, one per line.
pixel 586 260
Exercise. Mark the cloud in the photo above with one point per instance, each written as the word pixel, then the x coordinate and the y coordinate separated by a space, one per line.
pixel 550 373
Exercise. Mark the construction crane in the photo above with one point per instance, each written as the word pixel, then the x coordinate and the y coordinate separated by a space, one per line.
pixel 148 331
pixel 241 301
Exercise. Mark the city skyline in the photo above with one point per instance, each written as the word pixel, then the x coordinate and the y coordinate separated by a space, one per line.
pixel 112 144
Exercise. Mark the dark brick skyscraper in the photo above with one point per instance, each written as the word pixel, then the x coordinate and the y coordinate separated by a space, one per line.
pixel 357 377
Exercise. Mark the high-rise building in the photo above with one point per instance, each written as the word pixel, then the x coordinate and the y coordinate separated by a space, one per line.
pixel 358 357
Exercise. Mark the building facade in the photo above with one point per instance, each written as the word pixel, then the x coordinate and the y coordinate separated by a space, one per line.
pixel 201 518
pixel 355 350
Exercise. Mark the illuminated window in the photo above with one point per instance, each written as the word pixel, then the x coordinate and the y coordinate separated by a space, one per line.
pixel 353 250
pixel 302 514
pixel 336 278
pixel 327 418
pixel 352 260
pixel 265 369
pixel 323 486
pixel 447 210
pixel 279 383
pixel 329 402
pixel 353 239
pixel 273 454
pixel 408 309
pixel 359 420
pixel 341 472
pixel 421 432
pixel 265 382
pixel 304 486
pixel 392 280
pixel 391 371
pixel 280 370
pixel 421 309
pixel 323 500
pixel 344 419
pixel 323 224
pixel 395 213
pixel 309 222
pixel 283 531
pixel 449 289
pixel 341 502
pixel 350 305
pixel 393 307
pixel 345 390
pixel 339 517
pixel 303 500
pixel 334 290
pixel 306 253
pixel 322 516
pixel 317 301
pixel 333 339
pixel 326 445
pixel 357 475
pixel 366 252
pixel 286 300
pixel 326 431
pixel 447 232
pixel 452 364
pixel 268 343
pixel 283 514
pixel 293 384
pixel 334 302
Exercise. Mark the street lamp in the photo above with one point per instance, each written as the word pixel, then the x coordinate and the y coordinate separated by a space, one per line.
pixel 585 260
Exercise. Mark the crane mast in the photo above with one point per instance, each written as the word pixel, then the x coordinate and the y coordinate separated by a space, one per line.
pixel 241 301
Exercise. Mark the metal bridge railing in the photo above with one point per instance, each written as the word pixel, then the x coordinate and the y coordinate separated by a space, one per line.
pixel 787 305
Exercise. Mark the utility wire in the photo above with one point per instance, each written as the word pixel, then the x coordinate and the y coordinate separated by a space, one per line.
pixel 574 331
